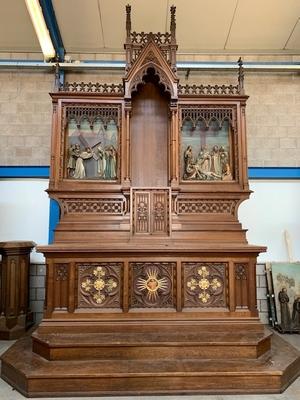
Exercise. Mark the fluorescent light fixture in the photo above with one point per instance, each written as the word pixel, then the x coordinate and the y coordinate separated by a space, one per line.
pixel 37 18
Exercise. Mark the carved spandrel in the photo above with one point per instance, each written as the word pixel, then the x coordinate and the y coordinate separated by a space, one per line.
pixel 204 284
pixel 152 284
pixel 99 285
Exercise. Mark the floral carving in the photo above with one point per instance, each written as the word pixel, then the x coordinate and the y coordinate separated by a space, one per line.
pixel 204 284
pixel 99 285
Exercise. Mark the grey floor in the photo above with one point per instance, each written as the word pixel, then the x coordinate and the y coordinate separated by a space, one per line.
pixel 291 393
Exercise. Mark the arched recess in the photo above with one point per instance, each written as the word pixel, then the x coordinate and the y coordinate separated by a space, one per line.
pixel 150 101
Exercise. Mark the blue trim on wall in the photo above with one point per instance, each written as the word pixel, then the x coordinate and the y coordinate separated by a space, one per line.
pixel 54 216
pixel 51 22
pixel 17 171
pixel 274 172
pixel 54 212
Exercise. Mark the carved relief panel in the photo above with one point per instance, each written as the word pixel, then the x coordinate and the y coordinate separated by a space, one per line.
pixel 92 148
pixel 207 143
pixel 204 284
pixel 100 285
pixel 152 284
pixel 241 285
pixel 150 211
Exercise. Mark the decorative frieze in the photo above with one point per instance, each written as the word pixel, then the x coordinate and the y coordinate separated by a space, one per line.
pixel 105 206
pixel 101 88
pixel 205 206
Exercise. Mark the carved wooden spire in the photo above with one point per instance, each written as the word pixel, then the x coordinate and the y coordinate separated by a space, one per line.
pixel 173 24
pixel 241 76
pixel 128 22
pixel 173 47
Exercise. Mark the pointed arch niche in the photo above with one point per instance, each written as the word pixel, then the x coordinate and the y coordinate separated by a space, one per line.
pixel 150 132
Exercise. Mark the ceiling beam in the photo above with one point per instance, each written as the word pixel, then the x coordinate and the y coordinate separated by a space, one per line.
pixel 52 25
pixel 280 66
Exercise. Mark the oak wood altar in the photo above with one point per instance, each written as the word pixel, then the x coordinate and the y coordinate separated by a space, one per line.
pixel 151 284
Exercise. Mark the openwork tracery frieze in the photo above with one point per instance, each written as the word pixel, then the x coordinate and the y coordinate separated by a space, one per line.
pixel 207 114
pixel 152 284
pixel 104 112
pixel 105 206
pixel 204 284
pixel 207 90
pixel 205 206
pixel 99 284
pixel 101 88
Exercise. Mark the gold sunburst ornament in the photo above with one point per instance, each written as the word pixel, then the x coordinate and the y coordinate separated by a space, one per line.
pixel 152 284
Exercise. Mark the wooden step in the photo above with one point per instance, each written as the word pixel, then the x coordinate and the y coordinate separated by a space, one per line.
pixel 34 376
pixel 157 345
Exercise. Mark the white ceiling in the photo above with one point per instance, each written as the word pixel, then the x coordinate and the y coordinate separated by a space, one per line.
pixel 203 26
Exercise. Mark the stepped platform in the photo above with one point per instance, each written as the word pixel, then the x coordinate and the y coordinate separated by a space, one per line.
pixel 122 364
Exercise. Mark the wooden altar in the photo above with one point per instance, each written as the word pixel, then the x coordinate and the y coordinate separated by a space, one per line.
pixel 151 284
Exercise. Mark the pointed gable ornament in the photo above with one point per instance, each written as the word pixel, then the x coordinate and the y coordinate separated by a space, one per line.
pixel 150 51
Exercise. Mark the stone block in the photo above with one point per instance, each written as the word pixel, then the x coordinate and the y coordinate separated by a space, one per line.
pixel 40 294
pixel 37 281
pixel 37 306
pixel 260 269
pixel 41 269
pixel 261 293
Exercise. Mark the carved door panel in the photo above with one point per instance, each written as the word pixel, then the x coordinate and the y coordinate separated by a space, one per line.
pixel 150 210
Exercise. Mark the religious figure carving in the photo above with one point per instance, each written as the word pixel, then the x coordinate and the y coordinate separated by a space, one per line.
pixel 73 154
pixel 209 165
pixel 284 310
pixel 101 160
pixel 111 163
pixel 79 172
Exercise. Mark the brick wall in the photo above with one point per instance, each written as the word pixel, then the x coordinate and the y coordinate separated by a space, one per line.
pixel 273 114
pixel 37 290
pixel 25 117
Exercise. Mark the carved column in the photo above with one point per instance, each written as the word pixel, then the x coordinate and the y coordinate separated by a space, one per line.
pixel 127 146
pixel 15 315
pixel 174 147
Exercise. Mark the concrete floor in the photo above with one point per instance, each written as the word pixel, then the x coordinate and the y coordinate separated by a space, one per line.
pixel 291 393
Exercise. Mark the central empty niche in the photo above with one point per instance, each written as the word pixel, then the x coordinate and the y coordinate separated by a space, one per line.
pixel 149 134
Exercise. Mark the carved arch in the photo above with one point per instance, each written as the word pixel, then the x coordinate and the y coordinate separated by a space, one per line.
pixel 140 75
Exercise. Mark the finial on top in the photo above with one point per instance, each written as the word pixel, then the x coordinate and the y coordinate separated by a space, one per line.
pixel 128 20
pixel 241 76
pixel 173 22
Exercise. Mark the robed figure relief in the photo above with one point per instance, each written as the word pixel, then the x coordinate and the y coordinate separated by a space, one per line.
pixel 206 152
pixel 92 151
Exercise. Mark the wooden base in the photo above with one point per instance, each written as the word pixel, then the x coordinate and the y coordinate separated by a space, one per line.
pixel 35 376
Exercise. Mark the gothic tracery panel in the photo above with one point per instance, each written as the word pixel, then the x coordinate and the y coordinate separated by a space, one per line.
pixel 204 284
pixel 99 285
pixel 152 284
